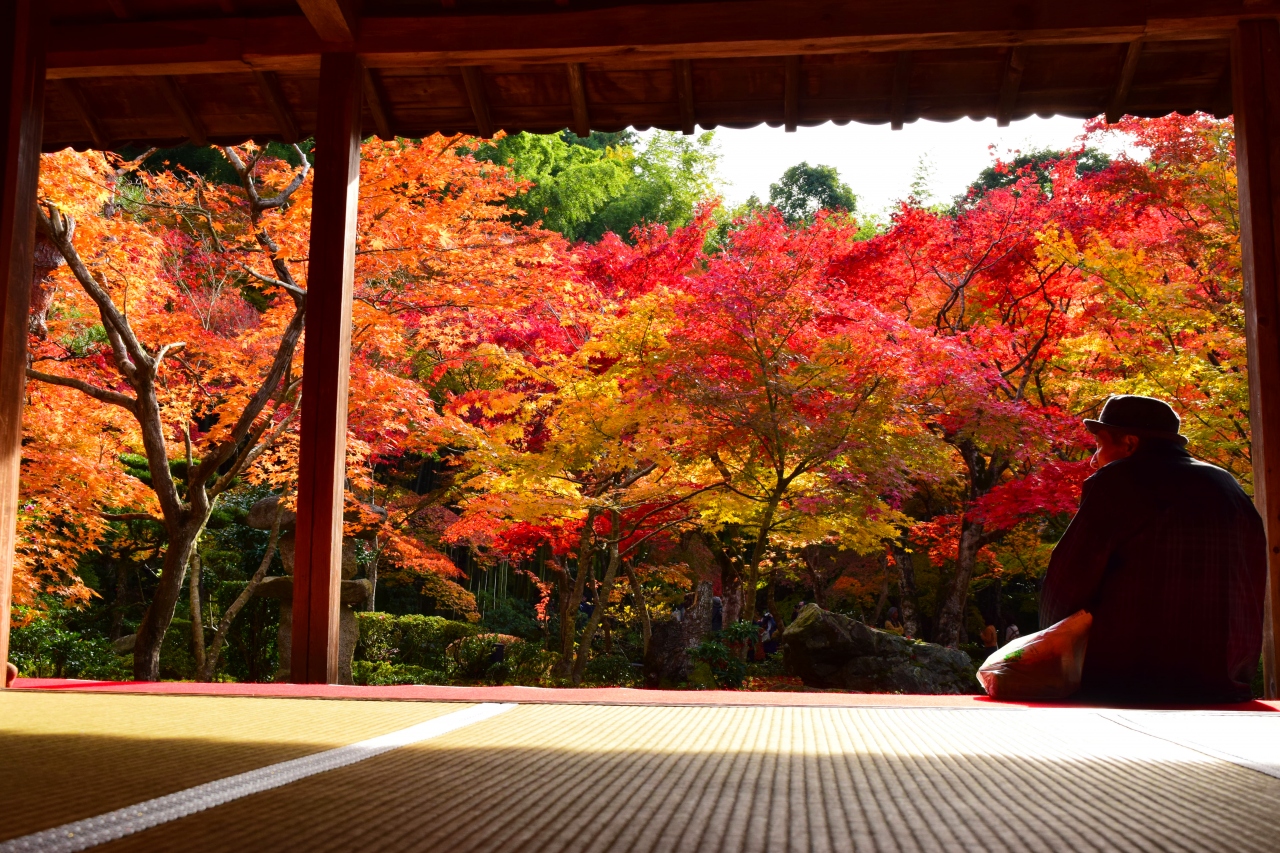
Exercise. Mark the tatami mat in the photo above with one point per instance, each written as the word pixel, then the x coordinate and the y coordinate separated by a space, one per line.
pixel 583 778
pixel 65 757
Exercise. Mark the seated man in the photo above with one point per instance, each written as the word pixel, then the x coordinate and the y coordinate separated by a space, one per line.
pixel 1170 556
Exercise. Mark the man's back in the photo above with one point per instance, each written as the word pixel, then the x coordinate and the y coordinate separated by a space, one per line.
pixel 1169 555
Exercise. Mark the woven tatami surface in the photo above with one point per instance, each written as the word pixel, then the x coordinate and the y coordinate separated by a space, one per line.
pixel 65 757
pixel 583 778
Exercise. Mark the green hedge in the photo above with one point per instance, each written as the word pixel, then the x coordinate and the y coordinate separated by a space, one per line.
pixel 416 641
pixel 434 650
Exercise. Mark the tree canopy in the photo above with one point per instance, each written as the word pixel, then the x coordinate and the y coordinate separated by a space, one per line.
pixel 803 190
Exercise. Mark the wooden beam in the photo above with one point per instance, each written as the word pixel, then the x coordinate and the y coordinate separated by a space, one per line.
pixel 84 112
pixel 1014 64
pixel 898 94
pixel 578 98
pixel 377 106
pixel 333 20
pixel 1256 63
pixel 22 34
pixel 1120 97
pixel 1222 99
pixel 317 574
pixel 474 81
pixel 120 10
pixel 693 30
pixel 182 109
pixel 269 85
pixel 684 95
pixel 791 95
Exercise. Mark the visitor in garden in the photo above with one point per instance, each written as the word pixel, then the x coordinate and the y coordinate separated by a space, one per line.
pixel 990 639
pixel 1011 633
pixel 1161 541
pixel 770 633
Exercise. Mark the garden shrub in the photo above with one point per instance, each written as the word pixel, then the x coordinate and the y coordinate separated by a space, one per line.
pixel 380 673
pixel 726 667
pixel 611 671
pixel 472 658
pixel 417 641
pixel 45 648
pixel 529 663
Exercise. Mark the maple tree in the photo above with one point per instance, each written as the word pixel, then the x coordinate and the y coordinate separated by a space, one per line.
pixel 812 403
pixel 791 382
pixel 569 454
pixel 154 322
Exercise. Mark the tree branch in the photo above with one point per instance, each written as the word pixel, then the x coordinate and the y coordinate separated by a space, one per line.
pixel 115 398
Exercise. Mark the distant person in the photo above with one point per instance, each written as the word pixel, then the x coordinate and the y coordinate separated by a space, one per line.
pixel 769 633
pixel 795 612
pixel 893 622
pixel 1011 633
pixel 1161 542
pixel 717 613
pixel 990 639
pixel 10 673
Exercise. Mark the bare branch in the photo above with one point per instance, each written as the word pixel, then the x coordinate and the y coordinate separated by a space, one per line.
pixel 131 516
pixel 115 398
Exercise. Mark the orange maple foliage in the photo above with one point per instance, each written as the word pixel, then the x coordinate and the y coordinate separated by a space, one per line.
pixel 173 333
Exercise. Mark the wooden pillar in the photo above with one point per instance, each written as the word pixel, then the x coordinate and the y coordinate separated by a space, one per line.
pixel 22 29
pixel 317 575
pixel 1256 81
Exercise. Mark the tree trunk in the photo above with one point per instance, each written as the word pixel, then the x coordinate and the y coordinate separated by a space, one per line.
pixel 210 665
pixel 597 614
pixel 155 622
pixel 197 617
pixel 884 599
pixel 951 614
pixel 642 607
pixel 569 603
pixel 118 606
pixel 907 590
pixel 757 554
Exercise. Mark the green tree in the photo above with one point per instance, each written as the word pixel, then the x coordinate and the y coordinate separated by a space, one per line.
pixel 1040 164
pixel 586 187
pixel 804 190
pixel 573 178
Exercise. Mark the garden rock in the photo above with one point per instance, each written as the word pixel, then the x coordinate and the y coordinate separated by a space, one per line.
pixel 667 663
pixel 828 650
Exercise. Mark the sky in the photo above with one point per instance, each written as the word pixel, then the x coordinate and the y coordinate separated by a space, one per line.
pixel 880 164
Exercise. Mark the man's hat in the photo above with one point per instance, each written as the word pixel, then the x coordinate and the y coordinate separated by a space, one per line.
pixel 1141 416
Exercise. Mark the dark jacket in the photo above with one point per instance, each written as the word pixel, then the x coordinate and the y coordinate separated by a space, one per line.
pixel 1170 557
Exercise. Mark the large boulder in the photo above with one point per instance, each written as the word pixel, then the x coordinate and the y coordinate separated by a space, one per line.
pixel 667 663
pixel 828 650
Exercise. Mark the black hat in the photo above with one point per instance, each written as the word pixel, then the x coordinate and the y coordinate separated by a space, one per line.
pixel 1141 416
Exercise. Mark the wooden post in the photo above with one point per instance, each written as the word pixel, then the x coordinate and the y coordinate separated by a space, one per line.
pixel 22 31
pixel 1256 73
pixel 317 575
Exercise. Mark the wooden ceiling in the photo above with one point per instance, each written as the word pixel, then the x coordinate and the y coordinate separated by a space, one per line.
pixel 165 71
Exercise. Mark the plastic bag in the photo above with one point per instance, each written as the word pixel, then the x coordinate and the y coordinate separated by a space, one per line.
pixel 1043 665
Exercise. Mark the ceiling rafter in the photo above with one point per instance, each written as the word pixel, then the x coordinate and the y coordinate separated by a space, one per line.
pixel 80 104
pixel 377 101
pixel 791 94
pixel 684 96
pixel 333 20
pixel 898 95
pixel 474 81
pixel 269 85
pixel 1115 109
pixel 182 110
pixel 578 99
pixel 1010 82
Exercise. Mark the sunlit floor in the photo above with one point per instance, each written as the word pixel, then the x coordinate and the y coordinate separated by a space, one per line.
pixel 584 777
